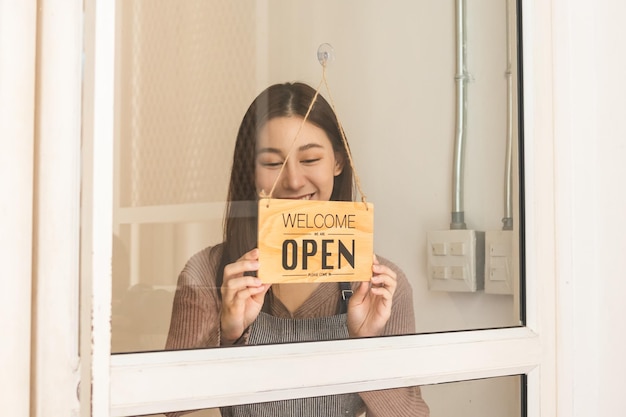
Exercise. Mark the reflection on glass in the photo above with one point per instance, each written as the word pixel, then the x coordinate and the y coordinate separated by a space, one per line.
pixel 187 72
pixel 493 397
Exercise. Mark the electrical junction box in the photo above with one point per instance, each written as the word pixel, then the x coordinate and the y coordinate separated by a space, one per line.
pixel 498 262
pixel 456 260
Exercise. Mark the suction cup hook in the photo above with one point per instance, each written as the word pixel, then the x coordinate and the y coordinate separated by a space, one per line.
pixel 325 54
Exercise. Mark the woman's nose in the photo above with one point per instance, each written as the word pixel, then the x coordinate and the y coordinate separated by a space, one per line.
pixel 293 177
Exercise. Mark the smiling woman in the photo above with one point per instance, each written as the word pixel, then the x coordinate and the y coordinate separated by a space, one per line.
pixel 219 301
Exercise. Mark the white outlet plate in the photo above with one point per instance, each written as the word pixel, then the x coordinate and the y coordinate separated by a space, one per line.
pixel 456 260
pixel 498 262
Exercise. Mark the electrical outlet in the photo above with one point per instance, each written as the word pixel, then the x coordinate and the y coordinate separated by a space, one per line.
pixel 498 262
pixel 456 260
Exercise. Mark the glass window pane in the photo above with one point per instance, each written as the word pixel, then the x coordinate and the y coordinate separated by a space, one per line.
pixel 492 397
pixel 188 71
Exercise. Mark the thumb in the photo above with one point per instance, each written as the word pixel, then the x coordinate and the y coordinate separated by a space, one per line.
pixel 361 292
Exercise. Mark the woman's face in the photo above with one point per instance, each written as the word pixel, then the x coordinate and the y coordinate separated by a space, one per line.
pixel 311 168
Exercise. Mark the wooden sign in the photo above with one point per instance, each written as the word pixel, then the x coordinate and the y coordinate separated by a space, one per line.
pixel 315 241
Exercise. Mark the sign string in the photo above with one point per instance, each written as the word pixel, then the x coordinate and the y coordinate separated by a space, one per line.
pixel 324 82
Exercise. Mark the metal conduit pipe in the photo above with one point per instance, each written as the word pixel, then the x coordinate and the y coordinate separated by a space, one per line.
pixel 458 215
pixel 507 220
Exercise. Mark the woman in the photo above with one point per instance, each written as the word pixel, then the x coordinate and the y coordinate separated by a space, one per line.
pixel 220 301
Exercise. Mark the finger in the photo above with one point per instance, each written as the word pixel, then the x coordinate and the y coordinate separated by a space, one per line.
pixel 248 262
pixel 386 292
pixel 245 293
pixel 258 294
pixel 234 286
pixel 235 302
pixel 383 285
pixel 384 278
pixel 238 268
pixel 382 274
pixel 379 269
pixel 250 255
pixel 359 294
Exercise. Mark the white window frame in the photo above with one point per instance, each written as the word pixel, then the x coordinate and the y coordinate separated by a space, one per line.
pixel 129 384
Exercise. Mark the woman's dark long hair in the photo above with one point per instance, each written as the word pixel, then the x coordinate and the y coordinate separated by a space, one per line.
pixel 279 100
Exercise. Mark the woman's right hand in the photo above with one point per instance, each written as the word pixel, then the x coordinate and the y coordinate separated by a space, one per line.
pixel 242 297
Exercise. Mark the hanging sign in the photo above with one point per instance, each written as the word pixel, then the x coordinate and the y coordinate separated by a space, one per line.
pixel 315 241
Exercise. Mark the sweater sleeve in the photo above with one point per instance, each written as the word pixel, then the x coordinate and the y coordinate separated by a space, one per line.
pixel 195 321
pixel 405 401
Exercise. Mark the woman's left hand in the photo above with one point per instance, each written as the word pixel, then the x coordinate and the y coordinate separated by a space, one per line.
pixel 369 307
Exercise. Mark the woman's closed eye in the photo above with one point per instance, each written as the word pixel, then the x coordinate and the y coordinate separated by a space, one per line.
pixel 269 164
pixel 279 164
